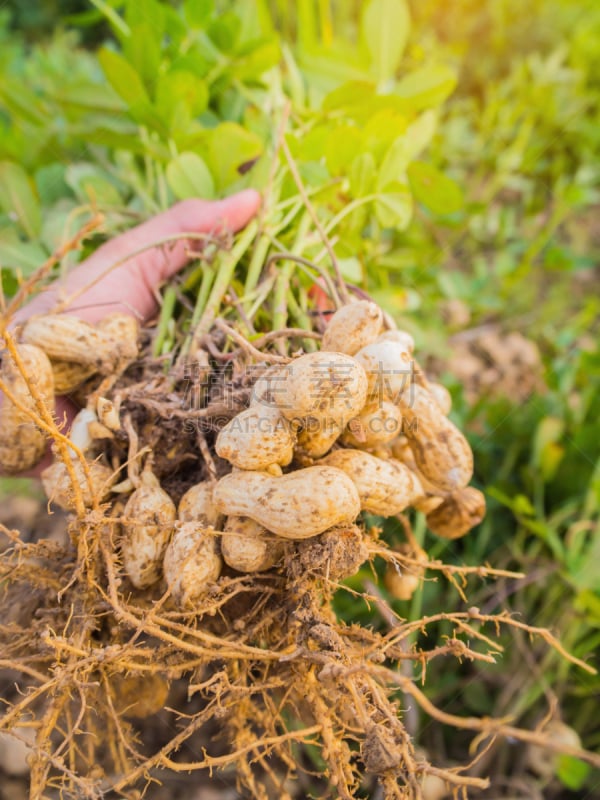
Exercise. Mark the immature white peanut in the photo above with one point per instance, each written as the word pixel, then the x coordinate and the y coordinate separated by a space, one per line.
pixel 256 438
pixel 22 443
pixel 384 487
pixel 323 386
pixel 352 327
pixel 191 562
pixel 295 506
pixel 247 546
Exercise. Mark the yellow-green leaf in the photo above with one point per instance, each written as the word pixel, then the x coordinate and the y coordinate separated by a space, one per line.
pixel 434 190
pixel 18 199
pixel 385 27
pixel 188 176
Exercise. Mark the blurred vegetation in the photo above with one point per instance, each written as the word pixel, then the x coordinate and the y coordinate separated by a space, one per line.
pixel 470 158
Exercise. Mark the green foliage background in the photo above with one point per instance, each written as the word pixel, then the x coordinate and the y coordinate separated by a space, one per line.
pixel 454 147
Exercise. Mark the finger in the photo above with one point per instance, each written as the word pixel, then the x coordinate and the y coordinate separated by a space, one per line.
pixel 130 286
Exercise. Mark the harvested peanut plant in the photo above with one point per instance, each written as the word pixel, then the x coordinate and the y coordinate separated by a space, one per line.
pixel 224 477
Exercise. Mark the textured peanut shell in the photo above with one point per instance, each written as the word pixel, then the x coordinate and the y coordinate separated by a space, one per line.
pixel 66 338
pixel 384 487
pixel 22 443
pixel 440 450
pixel 352 327
pixel 197 505
pixel 294 506
pixel 377 424
pixel 59 488
pixel 124 329
pixel 400 337
pixel 149 516
pixel 457 514
pixel 267 388
pixel 317 437
pixel 442 397
pixel 247 546
pixel 191 562
pixel 323 386
pixel 68 375
pixel 388 366
pixel 256 438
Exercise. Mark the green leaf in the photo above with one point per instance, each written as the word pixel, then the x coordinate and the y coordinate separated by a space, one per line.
pixel 143 51
pixel 188 176
pixel 181 90
pixel 393 167
pixel 123 78
pixel 24 256
pixel 434 190
pixel 394 207
pixel 198 12
pixel 420 133
pixel 18 199
pixel 362 175
pixel 129 86
pixel 572 772
pixel 231 148
pixel 92 185
pixel 426 87
pixel 385 27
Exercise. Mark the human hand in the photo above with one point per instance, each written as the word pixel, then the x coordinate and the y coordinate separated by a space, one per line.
pixel 130 288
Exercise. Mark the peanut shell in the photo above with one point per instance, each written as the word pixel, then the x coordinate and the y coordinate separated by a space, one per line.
pixel 294 506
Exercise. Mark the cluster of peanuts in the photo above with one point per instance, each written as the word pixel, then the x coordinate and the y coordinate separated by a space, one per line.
pixel 355 427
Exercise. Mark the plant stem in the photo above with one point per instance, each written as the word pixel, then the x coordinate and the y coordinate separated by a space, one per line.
pixel 225 272
pixel 166 314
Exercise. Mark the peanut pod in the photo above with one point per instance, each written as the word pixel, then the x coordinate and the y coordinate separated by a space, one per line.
pixel 317 436
pixel 66 338
pixel 148 520
pixel 295 506
pixel 191 562
pixel 377 424
pixel 457 514
pixel 389 369
pixel 256 438
pixel 385 488
pixel 352 327
pixel 324 386
pixel 22 443
pixel 59 487
pixel 247 546
pixel 197 505
pixel 440 450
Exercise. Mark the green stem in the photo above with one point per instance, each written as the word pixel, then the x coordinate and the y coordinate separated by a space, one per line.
pixel 302 320
pixel 257 261
pixel 208 276
pixel 166 314
pixel 229 262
